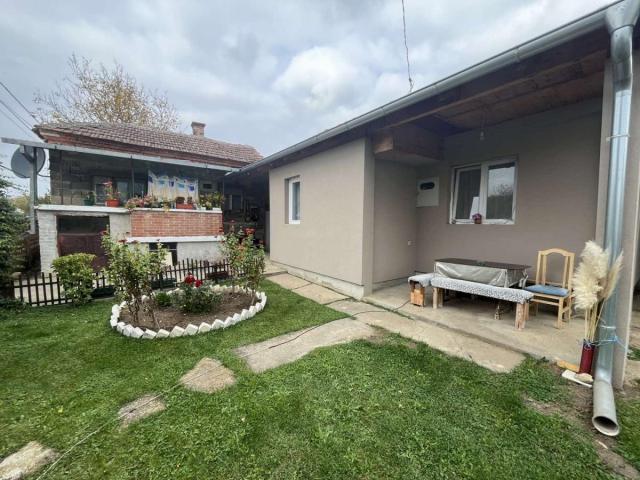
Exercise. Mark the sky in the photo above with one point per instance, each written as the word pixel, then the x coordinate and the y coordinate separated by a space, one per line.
pixel 263 73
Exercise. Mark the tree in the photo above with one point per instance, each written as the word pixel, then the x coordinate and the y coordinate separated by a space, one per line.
pixel 13 226
pixel 101 94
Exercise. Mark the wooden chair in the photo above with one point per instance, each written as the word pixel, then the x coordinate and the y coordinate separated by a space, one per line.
pixel 559 293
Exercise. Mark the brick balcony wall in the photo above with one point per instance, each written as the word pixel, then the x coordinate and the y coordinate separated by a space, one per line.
pixel 158 223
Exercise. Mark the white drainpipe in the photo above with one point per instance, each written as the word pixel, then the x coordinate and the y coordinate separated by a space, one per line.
pixel 620 20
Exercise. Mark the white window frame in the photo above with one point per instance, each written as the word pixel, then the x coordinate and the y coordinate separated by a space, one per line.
pixel 484 182
pixel 290 182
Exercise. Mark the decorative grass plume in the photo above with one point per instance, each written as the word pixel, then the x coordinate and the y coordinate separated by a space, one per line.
pixel 594 283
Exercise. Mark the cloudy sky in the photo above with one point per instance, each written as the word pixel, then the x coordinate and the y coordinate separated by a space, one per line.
pixel 265 73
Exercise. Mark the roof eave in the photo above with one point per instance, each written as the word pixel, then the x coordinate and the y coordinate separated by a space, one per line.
pixel 547 41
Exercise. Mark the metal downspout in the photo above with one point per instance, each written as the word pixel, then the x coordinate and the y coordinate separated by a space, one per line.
pixel 620 20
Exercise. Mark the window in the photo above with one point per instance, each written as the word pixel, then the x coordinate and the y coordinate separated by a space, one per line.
pixel 293 200
pixel 487 188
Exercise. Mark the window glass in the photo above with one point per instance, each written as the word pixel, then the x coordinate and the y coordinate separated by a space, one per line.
pixel 467 193
pixel 295 201
pixel 500 182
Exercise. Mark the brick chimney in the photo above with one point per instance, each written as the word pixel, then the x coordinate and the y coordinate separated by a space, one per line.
pixel 198 128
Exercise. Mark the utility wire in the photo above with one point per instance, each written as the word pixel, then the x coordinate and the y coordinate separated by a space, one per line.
pixel 14 122
pixel 15 114
pixel 406 47
pixel 164 392
pixel 18 100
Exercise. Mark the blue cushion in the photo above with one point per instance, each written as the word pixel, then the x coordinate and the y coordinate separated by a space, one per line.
pixel 548 290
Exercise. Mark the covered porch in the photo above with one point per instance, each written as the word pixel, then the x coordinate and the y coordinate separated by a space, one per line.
pixel 475 317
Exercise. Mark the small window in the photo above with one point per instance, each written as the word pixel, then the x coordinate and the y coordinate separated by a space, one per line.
pixel 293 201
pixel 488 189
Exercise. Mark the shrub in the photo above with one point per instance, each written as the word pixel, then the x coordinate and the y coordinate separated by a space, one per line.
pixel 130 270
pixel 162 299
pixel 76 276
pixel 246 260
pixel 13 225
pixel 194 296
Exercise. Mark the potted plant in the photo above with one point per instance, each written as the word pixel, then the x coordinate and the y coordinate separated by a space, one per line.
pixel 112 198
pixel 477 218
pixel 181 205
pixel 90 198
pixel 135 202
pixel 217 200
pixel 593 284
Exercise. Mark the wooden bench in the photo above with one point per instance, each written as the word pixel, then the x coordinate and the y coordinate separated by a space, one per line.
pixel 521 298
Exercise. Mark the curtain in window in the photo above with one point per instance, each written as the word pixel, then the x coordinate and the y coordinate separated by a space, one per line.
pixel 468 193
pixel 165 187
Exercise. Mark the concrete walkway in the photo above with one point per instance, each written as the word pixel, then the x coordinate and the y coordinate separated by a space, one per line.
pixel 487 354
pixel 490 356
pixel 292 346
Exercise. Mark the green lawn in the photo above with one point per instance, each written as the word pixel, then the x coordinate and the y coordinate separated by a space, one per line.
pixel 362 410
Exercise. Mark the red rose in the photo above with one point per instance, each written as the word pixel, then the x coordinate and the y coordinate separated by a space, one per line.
pixel 198 283
pixel 189 279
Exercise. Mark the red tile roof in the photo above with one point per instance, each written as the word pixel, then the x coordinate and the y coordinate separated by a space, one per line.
pixel 147 141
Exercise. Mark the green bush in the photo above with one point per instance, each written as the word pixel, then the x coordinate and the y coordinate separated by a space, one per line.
pixel 192 299
pixel 246 260
pixel 75 274
pixel 162 299
pixel 131 269
pixel 13 225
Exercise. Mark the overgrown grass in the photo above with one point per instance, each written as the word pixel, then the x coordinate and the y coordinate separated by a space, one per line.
pixel 359 410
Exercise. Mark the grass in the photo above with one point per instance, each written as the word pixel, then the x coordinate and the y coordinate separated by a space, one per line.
pixel 359 410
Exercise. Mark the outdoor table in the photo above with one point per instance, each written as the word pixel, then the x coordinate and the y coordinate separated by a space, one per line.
pixel 490 273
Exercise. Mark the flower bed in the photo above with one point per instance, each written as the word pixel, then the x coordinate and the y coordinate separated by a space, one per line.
pixel 130 330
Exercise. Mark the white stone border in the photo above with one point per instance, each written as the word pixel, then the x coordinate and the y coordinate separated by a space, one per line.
pixel 129 330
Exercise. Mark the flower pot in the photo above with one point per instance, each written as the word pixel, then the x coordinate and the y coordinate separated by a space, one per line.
pixel 586 359
pixel 114 202
pixel 477 221
pixel 89 203
pixel 184 206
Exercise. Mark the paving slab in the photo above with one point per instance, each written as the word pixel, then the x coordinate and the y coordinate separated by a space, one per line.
pixel 140 408
pixel 632 373
pixel 292 346
pixel 208 376
pixel 353 307
pixel 485 354
pixel 319 294
pixel 288 281
pixel 26 461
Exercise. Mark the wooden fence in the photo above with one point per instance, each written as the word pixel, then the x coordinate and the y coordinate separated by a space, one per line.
pixel 45 289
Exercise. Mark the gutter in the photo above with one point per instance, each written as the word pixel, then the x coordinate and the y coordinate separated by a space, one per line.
pixel 113 153
pixel 556 37
pixel 620 19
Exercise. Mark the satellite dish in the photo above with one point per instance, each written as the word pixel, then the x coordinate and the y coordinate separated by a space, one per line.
pixel 21 163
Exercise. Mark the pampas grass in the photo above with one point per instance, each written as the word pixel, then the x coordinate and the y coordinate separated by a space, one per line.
pixel 594 283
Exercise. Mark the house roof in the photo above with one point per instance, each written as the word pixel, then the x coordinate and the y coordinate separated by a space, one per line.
pixel 451 89
pixel 147 141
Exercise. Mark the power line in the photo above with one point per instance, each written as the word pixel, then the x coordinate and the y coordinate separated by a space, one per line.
pixel 13 112
pixel 14 122
pixel 406 47
pixel 18 100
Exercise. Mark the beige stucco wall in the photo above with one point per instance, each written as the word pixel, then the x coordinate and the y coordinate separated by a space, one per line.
pixel 394 221
pixel 557 181
pixel 329 240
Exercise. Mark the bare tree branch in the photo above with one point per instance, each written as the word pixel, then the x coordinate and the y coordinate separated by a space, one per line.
pixel 100 94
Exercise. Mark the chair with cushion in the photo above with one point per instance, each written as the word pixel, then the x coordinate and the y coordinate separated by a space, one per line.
pixel 553 293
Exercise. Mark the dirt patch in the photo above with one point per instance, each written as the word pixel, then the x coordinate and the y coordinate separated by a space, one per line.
pixel 169 317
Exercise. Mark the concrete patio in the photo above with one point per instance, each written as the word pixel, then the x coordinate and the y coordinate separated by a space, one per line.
pixel 475 317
